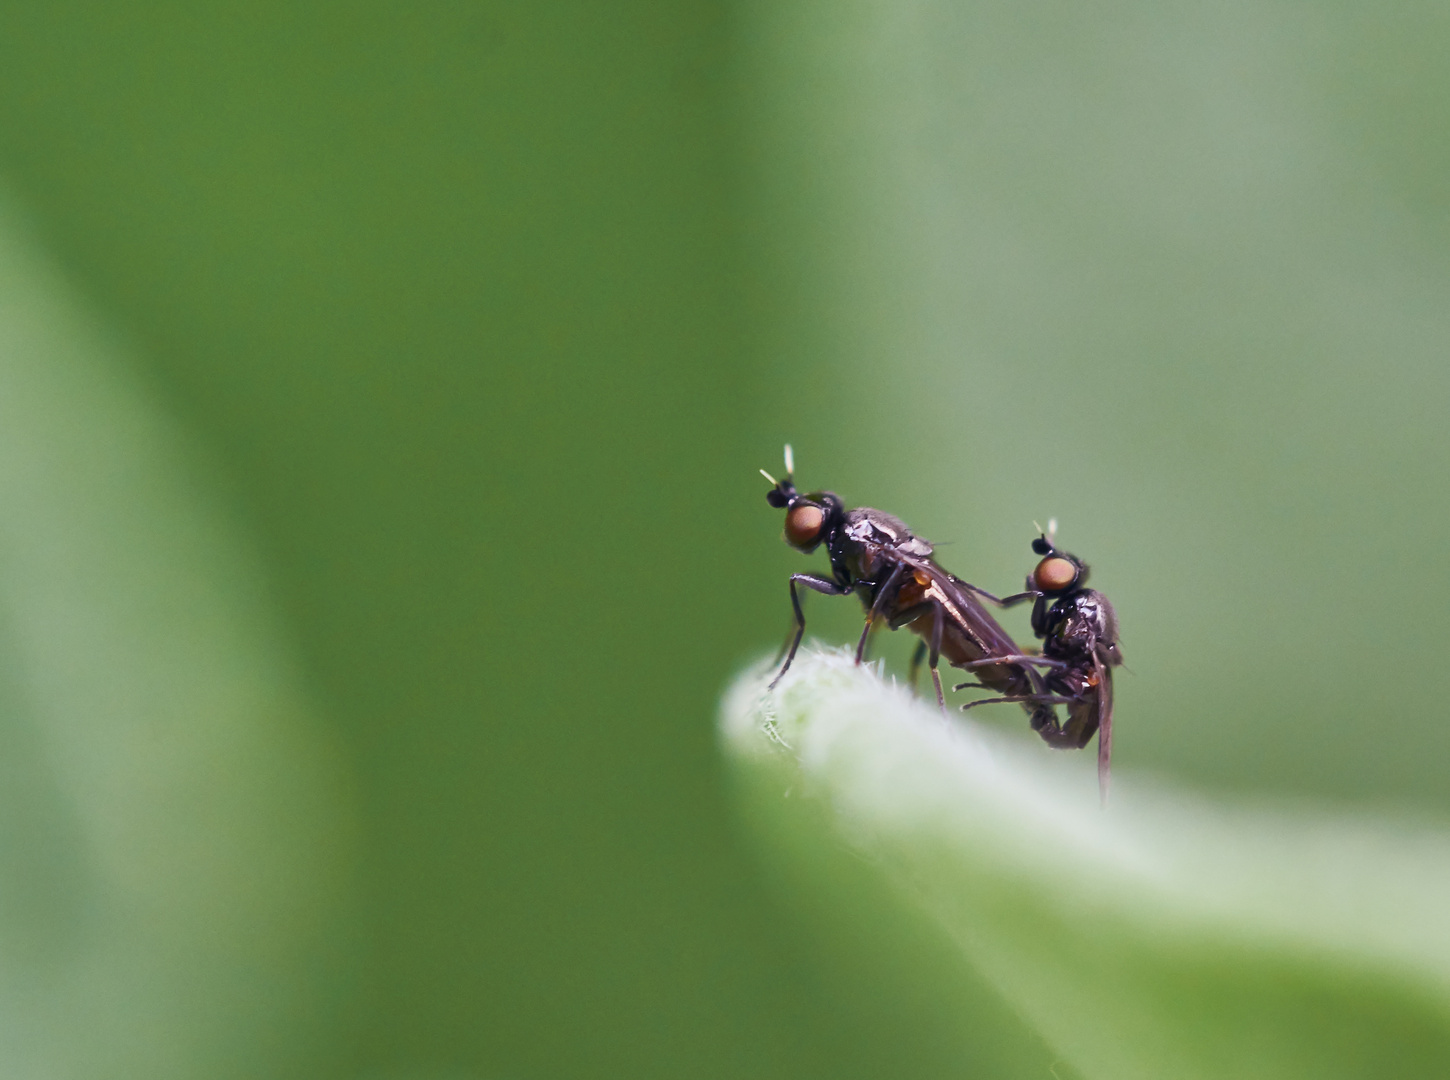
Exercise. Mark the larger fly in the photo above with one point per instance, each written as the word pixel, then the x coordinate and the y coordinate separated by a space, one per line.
pixel 875 556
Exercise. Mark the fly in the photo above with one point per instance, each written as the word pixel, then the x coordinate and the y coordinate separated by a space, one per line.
pixel 875 556
pixel 1079 633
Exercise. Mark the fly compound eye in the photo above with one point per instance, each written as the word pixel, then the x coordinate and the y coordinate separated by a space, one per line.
pixel 1054 574
pixel 803 524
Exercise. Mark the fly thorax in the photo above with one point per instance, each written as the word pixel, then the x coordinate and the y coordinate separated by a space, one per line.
pixel 866 561
pixel 1092 613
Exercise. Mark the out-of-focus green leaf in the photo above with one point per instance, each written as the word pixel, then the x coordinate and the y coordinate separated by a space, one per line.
pixel 175 844
pixel 1166 936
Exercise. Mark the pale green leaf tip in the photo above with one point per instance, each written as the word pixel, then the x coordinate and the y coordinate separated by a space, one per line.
pixel 1170 935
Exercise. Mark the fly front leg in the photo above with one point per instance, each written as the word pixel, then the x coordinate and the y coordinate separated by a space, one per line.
pixel 1014 599
pixel 1030 591
pixel 876 605
pixel 1000 601
pixel 820 585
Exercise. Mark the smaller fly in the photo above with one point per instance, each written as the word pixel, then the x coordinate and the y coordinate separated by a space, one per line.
pixel 876 556
pixel 1079 633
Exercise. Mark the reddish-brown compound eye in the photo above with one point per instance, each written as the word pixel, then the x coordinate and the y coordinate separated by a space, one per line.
pixel 803 524
pixel 1054 573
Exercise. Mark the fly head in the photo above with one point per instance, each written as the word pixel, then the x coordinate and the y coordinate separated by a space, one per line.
pixel 810 519
pixel 1059 573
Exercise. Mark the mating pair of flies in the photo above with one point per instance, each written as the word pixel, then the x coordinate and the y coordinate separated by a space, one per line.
pixel 875 556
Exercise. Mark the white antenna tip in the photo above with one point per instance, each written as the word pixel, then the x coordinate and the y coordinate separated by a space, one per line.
pixel 773 481
pixel 789 460
pixel 1052 527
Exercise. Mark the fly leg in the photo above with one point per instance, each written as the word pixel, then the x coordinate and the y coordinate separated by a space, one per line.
pixel 1019 658
pixel 876 605
pixel 1042 717
pixel 1080 727
pixel 820 585
pixel 1014 599
pixel 865 637
pixel 935 655
pixel 933 645
pixel 1036 683
pixel 917 656
pixel 1000 601
pixel 1033 699
pixel 1003 601
pixel 910 615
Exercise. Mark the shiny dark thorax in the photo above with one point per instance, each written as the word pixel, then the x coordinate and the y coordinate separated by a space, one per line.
pixel 877 557
pixel 867 541
pixel 1079 624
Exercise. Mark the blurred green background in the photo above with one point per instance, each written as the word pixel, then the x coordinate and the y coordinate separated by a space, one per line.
pixel 477 320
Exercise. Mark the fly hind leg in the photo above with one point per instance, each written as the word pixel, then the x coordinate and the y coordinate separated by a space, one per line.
pixel 914 671
pixel 934 655
pixel 931 646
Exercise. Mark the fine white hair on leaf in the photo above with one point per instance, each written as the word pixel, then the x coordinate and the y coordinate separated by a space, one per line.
pixel 1169 935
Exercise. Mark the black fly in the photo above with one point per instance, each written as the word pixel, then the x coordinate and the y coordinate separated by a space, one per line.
pixel 1079 632
pixel 875 556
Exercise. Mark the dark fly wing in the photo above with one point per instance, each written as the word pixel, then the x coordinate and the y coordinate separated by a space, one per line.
pixel 1105 724
pixel 974 619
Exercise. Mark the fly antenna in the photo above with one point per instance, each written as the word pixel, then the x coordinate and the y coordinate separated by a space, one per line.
pixel 1044 544
pixel 773 481
pixel 789 461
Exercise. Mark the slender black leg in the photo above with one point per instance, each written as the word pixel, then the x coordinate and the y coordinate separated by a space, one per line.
pixel 935 656
pixel 1036 699
pixel 917 656
pixel 1016 598
pixel 911 614
pixel 1008 658
pixel 1003 601
pixel 877 604
pixel 1000 601
pixel 780 652
pixel 865 637
pixel 820 585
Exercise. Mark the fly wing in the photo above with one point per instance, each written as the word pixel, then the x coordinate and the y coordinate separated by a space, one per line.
pixel 967 611
pixel 1105 724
